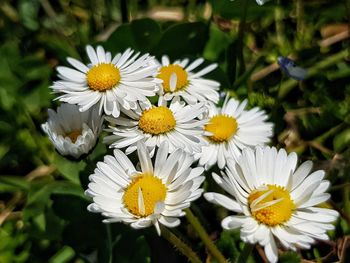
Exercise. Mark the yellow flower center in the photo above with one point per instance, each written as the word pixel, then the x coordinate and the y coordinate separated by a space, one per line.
pixel 143 193
pixel 73 135
pixel 103 77
pixel 271 206
pixel 157 120
pixel 222 127
pixel 166 72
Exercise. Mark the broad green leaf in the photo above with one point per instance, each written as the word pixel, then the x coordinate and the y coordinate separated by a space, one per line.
pixel 141 35
pixel 217 43
pixel 182 40
pixel 69 169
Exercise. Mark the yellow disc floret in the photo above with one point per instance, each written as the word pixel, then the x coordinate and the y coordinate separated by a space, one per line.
pixel 157 120
pixel 166 72
pixel 73 135
pixel 103 76
pixel 222 127
pixel 271 205
pixel 143 193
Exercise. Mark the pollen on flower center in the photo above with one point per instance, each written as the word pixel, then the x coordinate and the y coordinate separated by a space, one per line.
pixel 103 76
pixel 271 206
pixel 166 72
pixel 73 135
pixel 143 193
pixel 157 120
pixel 222 127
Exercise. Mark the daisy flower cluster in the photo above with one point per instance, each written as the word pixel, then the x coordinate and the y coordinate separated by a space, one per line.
pixel 177 138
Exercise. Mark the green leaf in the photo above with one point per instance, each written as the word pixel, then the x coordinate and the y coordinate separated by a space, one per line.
pixel 63 255
pixel 141 35
pixel 342 140
pixel 182 40
pixel 28 11
pixel 146 33
pixel 11 183
pixel 41 189
pixel 69 169
pixel 217 43
pixel 228 243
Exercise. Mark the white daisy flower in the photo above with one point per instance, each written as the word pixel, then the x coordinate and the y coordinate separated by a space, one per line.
pixel 111 83
pixel 274 200
pixel 150 196
pixel 176 124
pixel 230 129
pixel 73 132
pixel 179 81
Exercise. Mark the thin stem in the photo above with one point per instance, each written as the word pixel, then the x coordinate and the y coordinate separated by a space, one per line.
pixel 331 132
pixel 347 8
pixel 288 85
pixel 124 11
pixel 192 219
pixel 339 186
pixel 110 245
pixel 243 257
pixel 180 245
pixel 346 196
pixel 241 30
pixel 299 5
pixel 279 14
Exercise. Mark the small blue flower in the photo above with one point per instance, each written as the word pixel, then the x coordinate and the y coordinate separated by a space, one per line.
pixel 288 66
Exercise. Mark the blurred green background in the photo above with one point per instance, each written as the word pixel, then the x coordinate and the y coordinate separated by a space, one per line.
pixel 43 215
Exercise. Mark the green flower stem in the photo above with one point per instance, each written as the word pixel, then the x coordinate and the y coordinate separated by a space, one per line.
pixel 192 219
pixel 110 245
pixel 241 31
pixel 299 6
pixel 331 132
pixel 243 257
pixel 288 85
pixel 180 245
pixel 346 193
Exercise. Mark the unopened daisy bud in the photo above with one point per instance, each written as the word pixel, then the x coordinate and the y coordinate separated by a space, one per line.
pixel 109 82
pixel 73 133
pixel 179 80
pixel 274 200
pixel 157 194
pixel 230 129
pixel 176 124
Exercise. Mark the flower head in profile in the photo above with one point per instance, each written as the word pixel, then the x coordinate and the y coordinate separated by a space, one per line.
pixel 73 133
pixel 274 201
pixel 230 129
pixel 177 124
pixel 179 80
pixel 109 82
pixel 157 194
